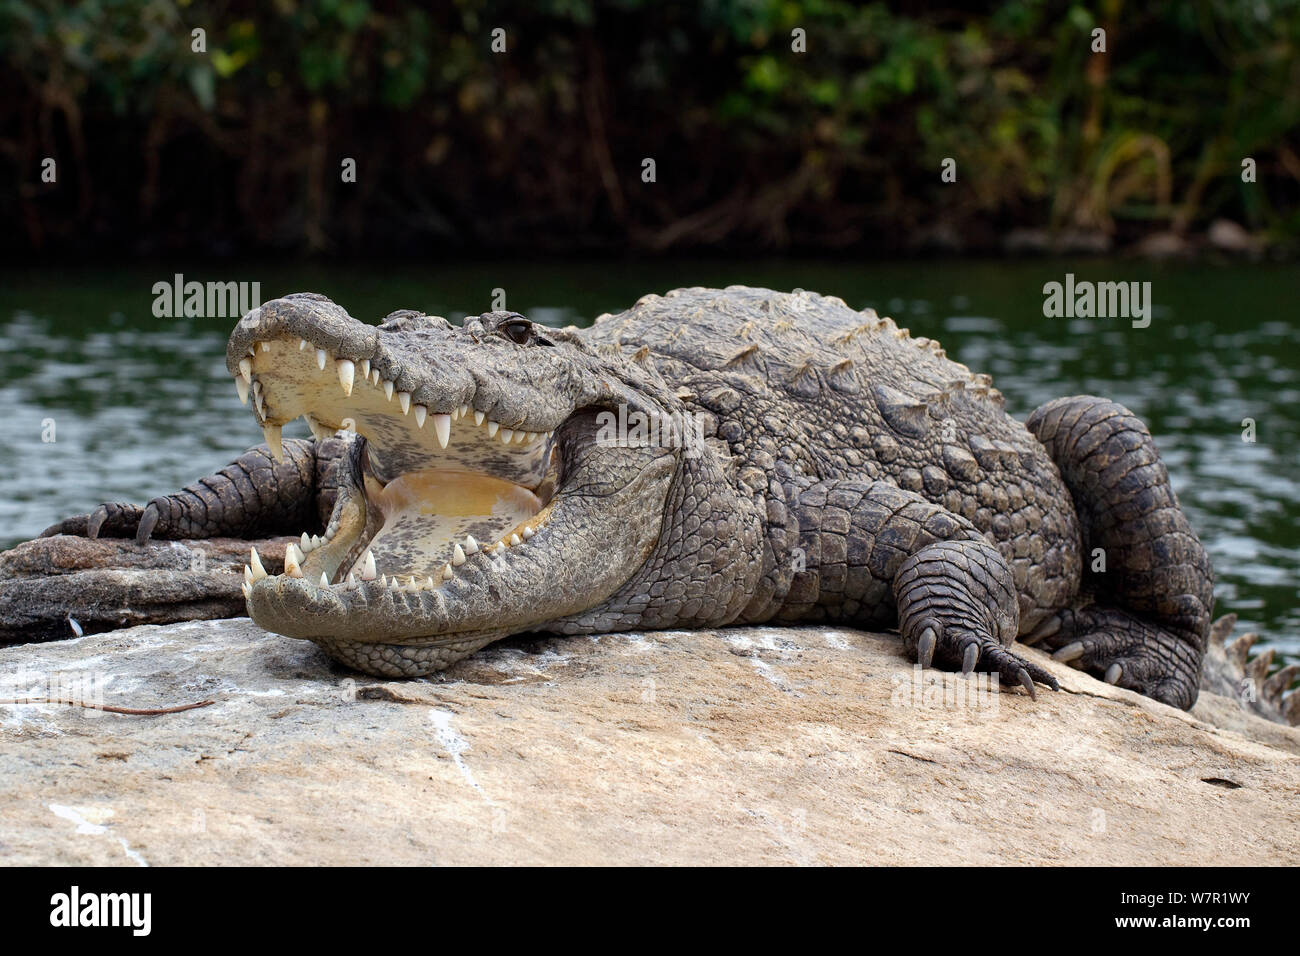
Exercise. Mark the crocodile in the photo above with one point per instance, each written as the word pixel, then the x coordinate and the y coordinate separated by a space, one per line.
pixel 705 458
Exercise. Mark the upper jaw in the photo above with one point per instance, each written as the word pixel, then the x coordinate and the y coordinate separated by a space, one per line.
pixel 304 355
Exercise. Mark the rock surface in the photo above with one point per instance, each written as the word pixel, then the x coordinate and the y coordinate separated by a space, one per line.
pixel 754 745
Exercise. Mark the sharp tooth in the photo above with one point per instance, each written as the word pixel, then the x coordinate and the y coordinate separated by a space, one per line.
pixel 501 547
pixel 479 416
pixel 383 580
pixel 302 344
pixel 457 555
pixel 464 410
pixel 258 401
pixel 514 540
pixel 347 372
pixel 404 402
pixel 248 576
pixel 528 532
pixel 241 387
pixel 246 369
pixel 368 572
pixel 507 434
pixel 318 429
pixel 521 437
pixel 321 356
pixel 421 412
pixel 471 546
pixel 388 390
pixel 324 580
pixel 255 562
pixel 306 543
pixel 492 429
pixel 352 578
pixel 447 572
pixel 247 589
pixel 374 376
pixel 266 346
pixel 292 551
pixel 442 426
pixel 365 369
pixel 429 583
pixel 291 567
pixel 272 433
pixel 315 541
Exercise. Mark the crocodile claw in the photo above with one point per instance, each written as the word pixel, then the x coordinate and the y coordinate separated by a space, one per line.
pixel 1069 652
pixel 96 521
pixel 147 522
pixel 925 647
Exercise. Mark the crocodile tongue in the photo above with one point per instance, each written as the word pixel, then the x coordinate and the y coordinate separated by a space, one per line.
pixel 438 516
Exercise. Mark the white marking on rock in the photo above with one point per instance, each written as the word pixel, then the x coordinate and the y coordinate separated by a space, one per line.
pixel 454 744
pixel 88 822
pixel 836 640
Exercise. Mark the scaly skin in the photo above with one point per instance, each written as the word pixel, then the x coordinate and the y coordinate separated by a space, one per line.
pixel 848 473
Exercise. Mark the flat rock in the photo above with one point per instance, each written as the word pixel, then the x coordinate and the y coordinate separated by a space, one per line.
pixel 743 746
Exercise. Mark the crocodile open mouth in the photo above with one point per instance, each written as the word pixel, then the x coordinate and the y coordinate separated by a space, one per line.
pixel 474 493
pixel 429 487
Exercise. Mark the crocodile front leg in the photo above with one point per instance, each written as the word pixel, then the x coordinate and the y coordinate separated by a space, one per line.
pixel 253 496
pixel 872 554
pixel 186 562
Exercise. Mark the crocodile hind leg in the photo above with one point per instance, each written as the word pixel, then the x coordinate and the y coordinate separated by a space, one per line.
pixel 871 553
pixel 1147 630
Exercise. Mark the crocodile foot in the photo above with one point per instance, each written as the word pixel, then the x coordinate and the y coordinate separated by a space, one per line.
pixel 956 609
pixel 955 647
pixel 1122 649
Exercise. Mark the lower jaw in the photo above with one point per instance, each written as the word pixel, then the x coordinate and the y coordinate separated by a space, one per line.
pixel 383 612
pixel 337 593
pixel 583 550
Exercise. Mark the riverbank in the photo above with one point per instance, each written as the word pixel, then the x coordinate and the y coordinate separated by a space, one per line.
pixel 744 746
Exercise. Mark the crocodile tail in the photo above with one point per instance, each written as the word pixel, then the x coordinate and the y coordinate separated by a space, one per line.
pixel 1231 672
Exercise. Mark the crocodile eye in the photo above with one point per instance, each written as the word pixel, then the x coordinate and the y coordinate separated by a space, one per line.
pixel 517 331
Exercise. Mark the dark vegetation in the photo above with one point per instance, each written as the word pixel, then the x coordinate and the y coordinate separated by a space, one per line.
pixel 541 148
